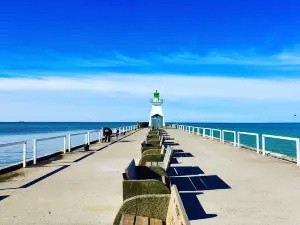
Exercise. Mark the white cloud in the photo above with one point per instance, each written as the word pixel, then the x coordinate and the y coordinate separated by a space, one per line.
pixel 284 58
pixel 57 60
pixel 171 86
pixel 125 98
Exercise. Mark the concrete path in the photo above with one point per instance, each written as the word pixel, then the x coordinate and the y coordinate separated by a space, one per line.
pixel 262 190
pixel 219 184
pixel 87 191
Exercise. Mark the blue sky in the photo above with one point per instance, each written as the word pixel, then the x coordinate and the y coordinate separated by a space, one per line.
pixel 213 61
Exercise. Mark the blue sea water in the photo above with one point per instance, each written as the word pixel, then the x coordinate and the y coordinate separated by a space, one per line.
pixel 275 145
pixel 27 131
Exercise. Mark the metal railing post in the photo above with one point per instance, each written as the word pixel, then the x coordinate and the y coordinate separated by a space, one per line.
pixel 298 152
pixel 223 136
pixel 34 151
pixel 24 154
pixel 70 142
pixel 234 139
pixel 65 139
pixel 257 143
pixel 263 146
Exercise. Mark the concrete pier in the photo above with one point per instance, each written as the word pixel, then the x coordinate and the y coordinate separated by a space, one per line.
pixel 228 185
pixel 87 191
pixel 262 190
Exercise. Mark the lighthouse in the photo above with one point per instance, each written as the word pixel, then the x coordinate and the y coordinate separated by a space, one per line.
pixel 156 117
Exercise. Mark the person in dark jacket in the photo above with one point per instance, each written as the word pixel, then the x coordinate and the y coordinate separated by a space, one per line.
pixel 107 133
pixel 117 134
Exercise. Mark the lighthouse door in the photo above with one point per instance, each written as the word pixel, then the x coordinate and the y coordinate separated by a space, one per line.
pixel 157 121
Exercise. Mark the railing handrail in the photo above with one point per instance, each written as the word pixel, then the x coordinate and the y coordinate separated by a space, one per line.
pixel 217 130
pixel 94 131
pixel 252 134
pixel 81 133
pixel 279 137
pixel 229 131
pixel 12 143
pixel 50 138
pixel 212 134
pixel 234 136
pixel 247 133
pixel 297 140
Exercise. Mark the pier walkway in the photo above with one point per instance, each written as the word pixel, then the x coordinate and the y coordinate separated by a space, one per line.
pixel 233 186
pixel 88 191
pixel 261 190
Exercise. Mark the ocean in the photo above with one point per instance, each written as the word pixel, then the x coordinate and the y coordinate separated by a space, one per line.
pixel 27 131
pixel 10 132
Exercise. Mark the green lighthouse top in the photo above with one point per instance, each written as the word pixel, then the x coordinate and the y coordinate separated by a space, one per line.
pixel 156 95
pixel 156 101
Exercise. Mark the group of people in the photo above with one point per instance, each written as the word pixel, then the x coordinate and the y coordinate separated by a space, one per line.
pixel 107 133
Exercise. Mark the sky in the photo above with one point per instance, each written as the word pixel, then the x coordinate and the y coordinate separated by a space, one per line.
pixel 212 61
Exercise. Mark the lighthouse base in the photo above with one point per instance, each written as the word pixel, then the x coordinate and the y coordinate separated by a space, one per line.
pixel 157 119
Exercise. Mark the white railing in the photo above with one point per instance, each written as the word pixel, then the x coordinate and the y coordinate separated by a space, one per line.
pixel 194 129
pixel 89 135
pixel 201 128
pixel 251 134
pixel 24 143
pixel 229 131
pixel 35 141
pixel 100 135
pixel 76 134
pixel 204 133
pixel 236 135
pixel 217 130
pixel 264 136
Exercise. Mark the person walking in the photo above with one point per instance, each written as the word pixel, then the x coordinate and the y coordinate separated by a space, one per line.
pixel 117 134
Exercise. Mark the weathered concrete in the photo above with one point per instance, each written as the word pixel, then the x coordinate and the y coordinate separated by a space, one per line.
pixel 84 192
pixel 264 190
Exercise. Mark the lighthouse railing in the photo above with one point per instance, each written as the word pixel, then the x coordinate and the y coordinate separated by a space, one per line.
pixel 155 100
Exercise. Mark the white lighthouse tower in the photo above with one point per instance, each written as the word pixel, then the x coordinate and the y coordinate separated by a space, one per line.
pixel 156 117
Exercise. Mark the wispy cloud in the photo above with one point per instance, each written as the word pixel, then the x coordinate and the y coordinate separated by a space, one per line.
pixel 185 62
pixel 173 86
pixel 235 58
pixel 51 59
